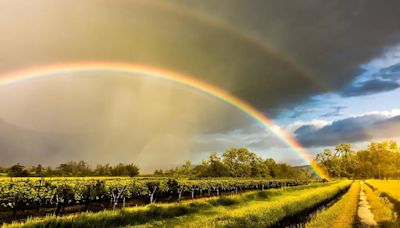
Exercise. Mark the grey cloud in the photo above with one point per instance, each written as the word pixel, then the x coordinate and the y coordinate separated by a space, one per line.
pixel 350 130
pixel 330 39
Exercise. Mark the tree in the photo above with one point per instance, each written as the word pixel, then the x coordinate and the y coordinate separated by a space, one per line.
pixel 102 170
pixel 39 171
pixel 378 160
pixel 158 172
pixel 238 162
pixel 132 170
pixel 213 167
pixel 258 168
pixel 17 170
pixel 330 161
pixel 185 169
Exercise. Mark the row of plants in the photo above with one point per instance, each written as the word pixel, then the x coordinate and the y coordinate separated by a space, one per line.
pixel 23 193
pixel 183 213
pixel 342 214
pixel 273 210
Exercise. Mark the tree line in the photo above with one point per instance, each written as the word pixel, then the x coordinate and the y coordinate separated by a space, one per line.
pixel 380 160
pixel 71 169
pixel 237 162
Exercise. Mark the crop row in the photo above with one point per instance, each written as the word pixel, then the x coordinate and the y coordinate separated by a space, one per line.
pixel 21 193
pixel 268 208
pixel 341 214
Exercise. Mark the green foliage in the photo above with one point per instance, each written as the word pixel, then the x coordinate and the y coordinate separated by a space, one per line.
pixel 379 160
pixel 17 170
pixel 237 162
pixel 73 169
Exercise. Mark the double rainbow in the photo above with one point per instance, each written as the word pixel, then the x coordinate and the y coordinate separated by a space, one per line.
pixel 190 82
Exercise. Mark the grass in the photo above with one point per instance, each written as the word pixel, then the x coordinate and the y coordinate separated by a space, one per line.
pixel 342 213
pixel 381 207
pixel 262 212
pixel 169 212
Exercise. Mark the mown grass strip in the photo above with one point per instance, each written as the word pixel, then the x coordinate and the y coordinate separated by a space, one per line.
pixel 342 213
pixel 389 189
pixel 140 215
pixel 381 207
pixel 257 213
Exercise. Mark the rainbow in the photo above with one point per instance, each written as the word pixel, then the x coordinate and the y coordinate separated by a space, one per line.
pixel 190 82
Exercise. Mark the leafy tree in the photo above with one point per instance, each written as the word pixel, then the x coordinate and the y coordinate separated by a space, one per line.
pixel 378 160
pixel 238 162
pixel 132 170
pixel 213 167
pixel 102 170
pixel 17 170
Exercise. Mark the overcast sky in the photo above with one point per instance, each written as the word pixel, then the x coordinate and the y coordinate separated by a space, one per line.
pixel 325 71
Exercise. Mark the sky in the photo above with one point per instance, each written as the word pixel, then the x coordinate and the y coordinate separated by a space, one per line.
pixel 325 72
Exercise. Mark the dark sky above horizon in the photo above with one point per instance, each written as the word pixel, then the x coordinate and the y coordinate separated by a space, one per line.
pixel 324 71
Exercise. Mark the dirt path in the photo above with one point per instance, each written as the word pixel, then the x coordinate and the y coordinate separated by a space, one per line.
pixel 364 213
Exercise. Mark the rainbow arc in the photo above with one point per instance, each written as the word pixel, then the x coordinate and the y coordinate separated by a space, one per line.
pixel 190 82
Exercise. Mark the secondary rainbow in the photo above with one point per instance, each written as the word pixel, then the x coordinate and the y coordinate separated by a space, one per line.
pixel 247 109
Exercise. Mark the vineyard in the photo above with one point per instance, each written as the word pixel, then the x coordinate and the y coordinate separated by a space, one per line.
pixel 214 202
pixel 20 194
pixel 282 206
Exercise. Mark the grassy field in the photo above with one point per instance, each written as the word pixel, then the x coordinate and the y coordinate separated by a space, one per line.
pixel 342 214
pixel 253 208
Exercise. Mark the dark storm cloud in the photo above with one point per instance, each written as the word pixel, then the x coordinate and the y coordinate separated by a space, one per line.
pixel 331 39
pixel 215 43
pixel 370 87
pixel 349 130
